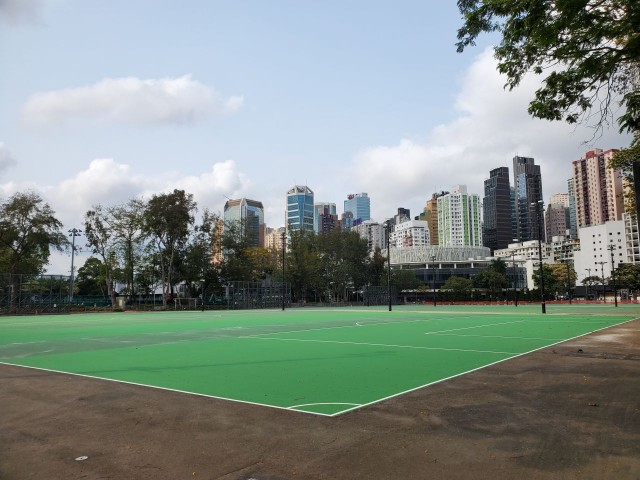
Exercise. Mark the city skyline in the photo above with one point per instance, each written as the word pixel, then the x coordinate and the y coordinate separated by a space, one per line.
pixel 227 101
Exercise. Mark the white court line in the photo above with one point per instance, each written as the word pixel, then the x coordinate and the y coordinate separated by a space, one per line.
pixel 355 325
pixel 293 407
pixel 169 389
pixel 479 368
pixel 384 345
pixel 475 326
pixel 499 336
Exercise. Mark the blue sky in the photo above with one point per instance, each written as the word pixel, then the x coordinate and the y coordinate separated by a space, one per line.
pixel 105 101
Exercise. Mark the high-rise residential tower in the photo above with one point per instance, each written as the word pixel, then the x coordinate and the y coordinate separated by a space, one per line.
pixel 459 222
pixel 527 184
pixel 360 205
pixel 597 189
pixel 430 215
pixel 573 221
pixel 496 231
pixel 299 208
pixel 248 217
pixel 556 220
pixel 322 208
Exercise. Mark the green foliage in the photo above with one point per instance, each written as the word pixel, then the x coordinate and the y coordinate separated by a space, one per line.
pixel 167 219
pixel 552 283
pixel 404 280
pixel 28 230
pixel 90 278
pixel 624 160
pixel 587 50
pixel 459 287
pixel 628 276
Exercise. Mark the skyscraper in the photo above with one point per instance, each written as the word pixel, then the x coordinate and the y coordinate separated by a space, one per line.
pixel 527 184
pixel 459 223
pixel 597 189
pixel 322 208
pixel 556 220
pixel 573 221
pixel 496 232
pixel 360 205
pixel 248 217
pixel 430 215
pixel 299 208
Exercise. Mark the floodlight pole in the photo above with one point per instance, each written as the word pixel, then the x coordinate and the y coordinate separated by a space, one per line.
pixel 515 278
pixel 589 277
pixel 538 206
pixel 73 233
pixel 602 278
pixel 611 248
pixel 284 248
pixel 433 279
pixel 566 261
pixel 388 230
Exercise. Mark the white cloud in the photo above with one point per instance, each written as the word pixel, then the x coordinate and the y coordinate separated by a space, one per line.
pixel 131 101
pixel 493 127
pixel 20 11
pixel 107 182
pixel 7 160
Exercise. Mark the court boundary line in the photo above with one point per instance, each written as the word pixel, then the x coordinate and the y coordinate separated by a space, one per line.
pixel 478 368
pixel 381 345
pixel 364 405
pixel 187 392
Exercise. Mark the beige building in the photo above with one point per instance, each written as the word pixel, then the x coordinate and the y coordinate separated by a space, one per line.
pixel 597 189
pixel 273 238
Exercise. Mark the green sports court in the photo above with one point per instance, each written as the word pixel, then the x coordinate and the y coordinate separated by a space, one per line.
pixel 320 361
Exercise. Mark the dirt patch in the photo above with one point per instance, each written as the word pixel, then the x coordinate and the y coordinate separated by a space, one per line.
pixel 571 411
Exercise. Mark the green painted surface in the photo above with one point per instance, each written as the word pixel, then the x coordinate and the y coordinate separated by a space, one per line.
pixel 321 361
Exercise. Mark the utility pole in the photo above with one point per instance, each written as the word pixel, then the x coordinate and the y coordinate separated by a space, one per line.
pixel 388 230
pixel 284 248
pixel 602 277
pixel 589 277
pixel 433 279
pixel 611 248
pixel 73 233
pixel 538 206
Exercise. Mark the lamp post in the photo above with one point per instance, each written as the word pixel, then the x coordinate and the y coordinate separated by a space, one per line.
pixel 284 249
pixel 602 277
pixel 388 231
pixel 433 279
pixel 515 278
pixel 538 206
pixel 589 277
pixel 611 248
pixel 73 233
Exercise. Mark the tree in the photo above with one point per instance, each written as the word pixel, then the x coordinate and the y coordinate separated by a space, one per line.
pixel 587 50
pixel 90 279
pixel 196 266
pixel 127 221
pixel 565 277
pixel 167 219
pixel 302 263
pixel 98 229
pixel 458 286
pixel 628 276
pixel 28 230
pixel 491 280
pixel 552 283
pixel 376 269
pixel 404 280
pixel 625 159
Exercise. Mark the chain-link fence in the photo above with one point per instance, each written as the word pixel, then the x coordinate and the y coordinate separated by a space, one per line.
pixel 27 294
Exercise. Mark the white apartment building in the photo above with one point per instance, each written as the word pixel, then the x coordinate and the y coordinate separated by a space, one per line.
pixel 597 243
pixel 459 219
pixel 373 233
pixel 412 233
